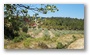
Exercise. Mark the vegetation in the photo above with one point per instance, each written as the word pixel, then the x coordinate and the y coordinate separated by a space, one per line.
pixel 24 31
pixel 46 35
pixel 60 45
pixel 16 16
pixel 37 31
pixel 63 23
pixel 27 42
pixel 21 37
pixel 43 45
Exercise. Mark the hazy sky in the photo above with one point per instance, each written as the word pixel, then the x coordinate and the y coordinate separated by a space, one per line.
pixel 65 10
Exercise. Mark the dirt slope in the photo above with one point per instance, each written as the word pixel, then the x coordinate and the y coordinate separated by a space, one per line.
pixel 51 34
pixel 78 44
pixel 40 34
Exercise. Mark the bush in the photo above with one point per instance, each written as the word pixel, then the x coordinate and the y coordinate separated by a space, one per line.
pixel 21 37
pixel 42 45
pixel 46 35
pixel 25 29
pixel 57 33
pixel 54 39
pixel 27 42
pixel 9 33
pixel 37 31
pixel 17 39
pixel 60 45
pixel 74 38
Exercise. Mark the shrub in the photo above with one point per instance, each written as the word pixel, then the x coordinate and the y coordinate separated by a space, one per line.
pixel 24 35
pixel 46 35
pixel 37 31
pixel 27 36
pixel 54 39
pixel 25 29
pixel 21 37
pixel 42 45
pixel 60 45
pixel 9 33
pixel 57 32
pixel 27 42
pixel 74 38
pixel 17 39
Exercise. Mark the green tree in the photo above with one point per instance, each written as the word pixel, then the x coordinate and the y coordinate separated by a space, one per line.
pixel 13 13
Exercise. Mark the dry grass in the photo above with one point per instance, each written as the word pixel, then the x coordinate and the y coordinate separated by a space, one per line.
pixel 39 42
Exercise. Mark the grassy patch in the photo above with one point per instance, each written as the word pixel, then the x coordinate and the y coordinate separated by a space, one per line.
pixel 46 35
pixel 22 36
pixel 27 42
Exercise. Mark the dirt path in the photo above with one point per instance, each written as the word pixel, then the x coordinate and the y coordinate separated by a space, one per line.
pixel 51 34
pixel 78 44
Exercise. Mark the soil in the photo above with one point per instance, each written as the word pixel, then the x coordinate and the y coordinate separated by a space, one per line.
pixel 78 44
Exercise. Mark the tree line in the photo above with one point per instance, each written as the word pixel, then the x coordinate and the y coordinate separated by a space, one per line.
pixel 63 23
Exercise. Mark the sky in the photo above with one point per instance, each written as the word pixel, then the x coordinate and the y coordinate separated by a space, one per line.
pixel 65 10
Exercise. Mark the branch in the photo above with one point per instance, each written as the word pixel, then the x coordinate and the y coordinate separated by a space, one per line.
pixel 27 7
pixel 33 9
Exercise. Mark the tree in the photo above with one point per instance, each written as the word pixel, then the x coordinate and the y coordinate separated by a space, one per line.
pixel 12 13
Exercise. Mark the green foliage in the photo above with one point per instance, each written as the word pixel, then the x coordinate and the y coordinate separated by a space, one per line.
pixel 37 31
pixel 46 35
pixel 74 38
pixel 9 32
pixel 27 42
pixel 60 45
pixel 14 20
pixel 25 29
pixel 21 37
pixel 42 45
pixel 54 39
pixel 63 23
pixel 17 39
pixel 57 33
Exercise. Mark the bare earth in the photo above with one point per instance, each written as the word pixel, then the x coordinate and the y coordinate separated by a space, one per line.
pixel 78 44
pixel 51 34
pixel 40 34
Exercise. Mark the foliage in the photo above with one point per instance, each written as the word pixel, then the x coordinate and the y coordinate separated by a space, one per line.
pixel 25 29
pixel 60 45
pixel 15 15
pixel 54 39
pixel 37 31
pixel 27 42
pixel 14 19
pixel 63 23
pixel 74 38
pixel 46 35
pixel 42 45
pixel 17 39
pixel 9 33
pixel 57 33
pixel 21 37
